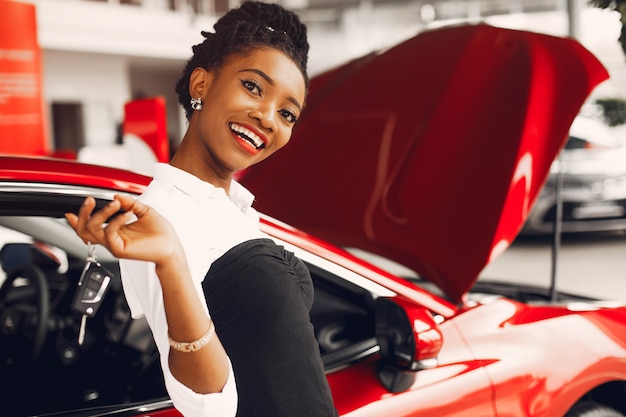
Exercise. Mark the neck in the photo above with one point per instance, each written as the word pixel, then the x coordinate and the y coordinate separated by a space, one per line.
pixel 184 160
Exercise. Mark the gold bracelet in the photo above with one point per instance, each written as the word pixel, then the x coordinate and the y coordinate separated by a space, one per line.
pixel 196 344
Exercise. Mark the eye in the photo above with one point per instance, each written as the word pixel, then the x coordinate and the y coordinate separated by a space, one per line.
pixel 288 115
pixel 251 86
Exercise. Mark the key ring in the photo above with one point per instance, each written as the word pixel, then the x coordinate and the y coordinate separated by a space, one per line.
pixel 91 252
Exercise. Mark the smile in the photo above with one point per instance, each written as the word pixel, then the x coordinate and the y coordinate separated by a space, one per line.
pixel 248 136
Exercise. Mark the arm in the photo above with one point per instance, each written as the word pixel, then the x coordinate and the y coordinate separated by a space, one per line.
pixel 151 238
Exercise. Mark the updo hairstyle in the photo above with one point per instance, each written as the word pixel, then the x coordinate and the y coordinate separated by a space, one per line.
pixel 253 25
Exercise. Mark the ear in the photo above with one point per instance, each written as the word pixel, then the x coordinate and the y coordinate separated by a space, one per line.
pixel 199 82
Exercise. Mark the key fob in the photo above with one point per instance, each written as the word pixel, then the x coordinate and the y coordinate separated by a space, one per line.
pixel 92 287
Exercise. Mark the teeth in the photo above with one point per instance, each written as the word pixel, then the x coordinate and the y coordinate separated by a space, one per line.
pixel 247 135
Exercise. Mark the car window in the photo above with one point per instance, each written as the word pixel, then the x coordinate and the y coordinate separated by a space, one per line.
pixel 343 319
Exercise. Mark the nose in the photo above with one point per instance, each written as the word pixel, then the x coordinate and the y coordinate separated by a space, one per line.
pixel 265 115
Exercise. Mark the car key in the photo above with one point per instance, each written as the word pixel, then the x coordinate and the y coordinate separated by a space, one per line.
pixel 92 287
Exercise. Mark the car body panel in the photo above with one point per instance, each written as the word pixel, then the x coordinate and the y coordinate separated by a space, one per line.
pixel 487 355
pixel 459 382
pixel 538 378
pixel 432 150
pixel 70 172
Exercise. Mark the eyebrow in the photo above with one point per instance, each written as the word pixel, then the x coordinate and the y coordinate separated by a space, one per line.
pixel 271 82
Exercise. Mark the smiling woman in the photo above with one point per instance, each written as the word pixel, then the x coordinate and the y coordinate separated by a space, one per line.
pixel 248 111
pixel 246 323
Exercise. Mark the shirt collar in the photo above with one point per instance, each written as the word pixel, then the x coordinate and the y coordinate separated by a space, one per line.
pixel 194 186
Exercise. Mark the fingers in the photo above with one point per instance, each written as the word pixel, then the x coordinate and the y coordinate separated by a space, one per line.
pixel 89 223
pixel 117 222
pixel 89 226
pixel 131 204
pixel 79 222
pixel 72 219
pixel 126 202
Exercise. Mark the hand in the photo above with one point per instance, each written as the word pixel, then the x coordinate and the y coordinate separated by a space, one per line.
pixel 149 238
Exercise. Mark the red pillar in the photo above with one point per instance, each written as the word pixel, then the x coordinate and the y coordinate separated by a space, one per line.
pixel 146 118
pixel 22 121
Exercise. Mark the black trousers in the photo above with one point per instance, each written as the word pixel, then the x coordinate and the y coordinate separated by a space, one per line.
pixel 259 296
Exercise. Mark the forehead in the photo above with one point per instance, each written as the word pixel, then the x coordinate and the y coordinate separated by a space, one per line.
pixel 278 66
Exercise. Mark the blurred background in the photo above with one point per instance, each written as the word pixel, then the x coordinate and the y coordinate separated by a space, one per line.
pixel 99 54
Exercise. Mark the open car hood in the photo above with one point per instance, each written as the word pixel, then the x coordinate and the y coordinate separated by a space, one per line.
pixel 430 153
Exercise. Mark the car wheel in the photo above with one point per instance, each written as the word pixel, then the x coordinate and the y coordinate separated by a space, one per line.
pixel 591 409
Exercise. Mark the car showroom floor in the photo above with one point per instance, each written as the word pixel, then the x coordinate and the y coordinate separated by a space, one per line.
pixel 591 264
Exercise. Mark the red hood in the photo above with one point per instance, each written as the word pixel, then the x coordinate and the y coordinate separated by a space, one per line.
pixel 431 153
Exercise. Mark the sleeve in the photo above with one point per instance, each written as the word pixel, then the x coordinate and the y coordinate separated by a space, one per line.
pixel 143 291
pixel 132 299
pixel 191 404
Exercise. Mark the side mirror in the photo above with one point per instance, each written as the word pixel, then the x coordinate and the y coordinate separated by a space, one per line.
pixel 409 341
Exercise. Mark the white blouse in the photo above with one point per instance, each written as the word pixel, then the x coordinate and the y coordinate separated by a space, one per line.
pixel 208 222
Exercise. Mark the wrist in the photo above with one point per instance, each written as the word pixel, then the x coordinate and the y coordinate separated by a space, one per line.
pixel 174 264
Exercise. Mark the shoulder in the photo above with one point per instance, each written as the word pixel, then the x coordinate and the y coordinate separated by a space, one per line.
pixel 259 252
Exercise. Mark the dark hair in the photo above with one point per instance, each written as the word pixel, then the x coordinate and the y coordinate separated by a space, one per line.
pixel 252 25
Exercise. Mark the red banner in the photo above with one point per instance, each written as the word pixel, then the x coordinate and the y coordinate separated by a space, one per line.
pixel 146 118
pixel 21 104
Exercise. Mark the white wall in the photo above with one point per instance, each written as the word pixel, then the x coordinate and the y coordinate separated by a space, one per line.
pixel 94 27
pixel 99 82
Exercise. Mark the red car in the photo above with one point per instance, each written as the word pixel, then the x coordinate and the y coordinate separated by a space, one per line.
pixel 433 163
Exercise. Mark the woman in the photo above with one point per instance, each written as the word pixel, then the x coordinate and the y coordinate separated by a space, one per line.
pixel 221 298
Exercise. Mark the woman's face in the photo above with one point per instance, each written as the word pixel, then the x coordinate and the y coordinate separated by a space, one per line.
pixel 249 109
